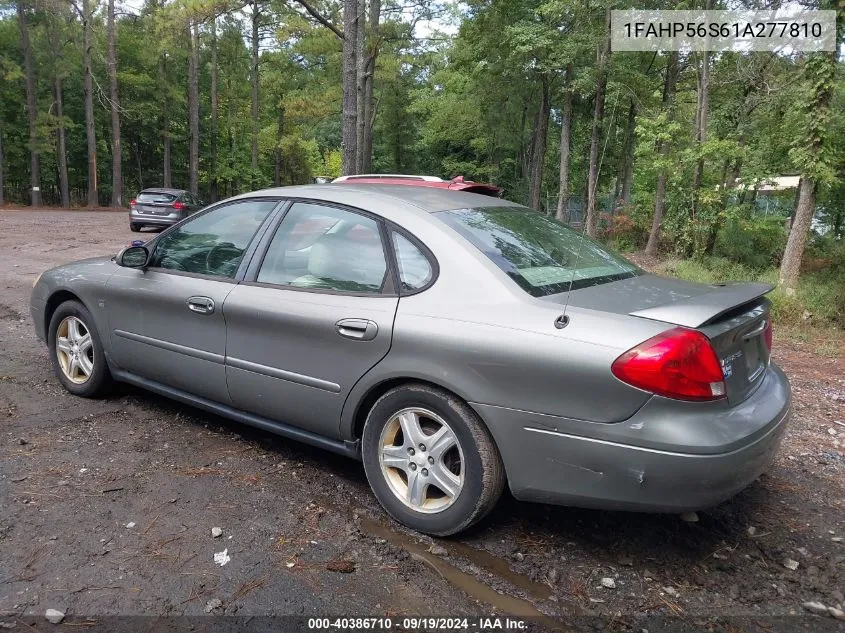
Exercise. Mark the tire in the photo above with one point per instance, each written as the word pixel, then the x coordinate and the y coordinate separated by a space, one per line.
pixel 98 380
pixel 135 228
pixel 475 474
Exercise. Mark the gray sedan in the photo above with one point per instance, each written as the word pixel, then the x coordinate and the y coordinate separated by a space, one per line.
pixel 453 342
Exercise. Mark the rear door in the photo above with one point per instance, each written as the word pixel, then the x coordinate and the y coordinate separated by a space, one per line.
pixel 315 317
pixel 166 321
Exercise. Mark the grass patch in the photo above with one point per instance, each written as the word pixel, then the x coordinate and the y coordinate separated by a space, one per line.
pixel 818 302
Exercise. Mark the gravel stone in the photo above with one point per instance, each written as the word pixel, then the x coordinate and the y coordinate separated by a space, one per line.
pixel 815 607
pixel 54 616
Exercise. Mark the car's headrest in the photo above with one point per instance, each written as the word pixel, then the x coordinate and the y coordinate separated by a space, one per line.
pixel 337 257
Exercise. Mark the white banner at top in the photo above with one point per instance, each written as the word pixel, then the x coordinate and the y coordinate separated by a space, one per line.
pixel 787 30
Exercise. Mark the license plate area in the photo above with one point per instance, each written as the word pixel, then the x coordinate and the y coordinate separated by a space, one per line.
pixel 754 364
pixel 148 209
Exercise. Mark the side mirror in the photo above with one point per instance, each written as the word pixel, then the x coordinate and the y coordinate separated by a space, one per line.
pixel 133 257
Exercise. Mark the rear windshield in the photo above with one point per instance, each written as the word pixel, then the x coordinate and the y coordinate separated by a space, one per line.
pixel 155 196
pixel 542 255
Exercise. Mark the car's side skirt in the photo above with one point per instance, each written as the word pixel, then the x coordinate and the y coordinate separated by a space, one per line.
pixel 349 449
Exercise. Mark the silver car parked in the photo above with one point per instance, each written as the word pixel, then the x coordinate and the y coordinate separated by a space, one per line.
pixel 453 342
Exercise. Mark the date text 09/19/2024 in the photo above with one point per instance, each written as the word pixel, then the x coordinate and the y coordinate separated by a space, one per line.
pixel 409 623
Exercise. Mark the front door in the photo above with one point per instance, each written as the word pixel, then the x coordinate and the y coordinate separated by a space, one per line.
pixel 166 321
pixel 317 317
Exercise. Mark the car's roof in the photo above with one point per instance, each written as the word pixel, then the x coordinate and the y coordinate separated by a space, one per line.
pixel 163 190
pixel 376 197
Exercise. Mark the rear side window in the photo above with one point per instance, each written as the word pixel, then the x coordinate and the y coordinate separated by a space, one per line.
pixel 415 271
pixel 155 197
pixel 324 248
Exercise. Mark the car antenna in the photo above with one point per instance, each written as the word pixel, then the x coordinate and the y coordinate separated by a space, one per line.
pixel 563 320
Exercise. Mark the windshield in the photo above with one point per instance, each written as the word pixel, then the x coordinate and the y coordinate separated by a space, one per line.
pixel 540 254
pixel 155 196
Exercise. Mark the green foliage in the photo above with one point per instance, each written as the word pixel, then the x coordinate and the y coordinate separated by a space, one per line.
pixel 756 241
pixel 819 299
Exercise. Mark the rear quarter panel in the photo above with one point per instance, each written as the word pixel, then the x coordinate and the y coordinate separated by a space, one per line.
pixel 476 333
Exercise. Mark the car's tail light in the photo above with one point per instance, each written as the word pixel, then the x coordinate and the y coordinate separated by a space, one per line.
pixel 768 334
pixel 132 203
pixel 179 205
pixel 678 364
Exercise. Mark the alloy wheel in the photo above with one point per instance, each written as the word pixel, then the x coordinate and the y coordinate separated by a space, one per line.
pixel 421 460
pixel 75 350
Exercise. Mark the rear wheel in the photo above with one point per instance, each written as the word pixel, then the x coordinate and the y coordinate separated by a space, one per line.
pixel 134 227
pixel 76 351
pixel 430 461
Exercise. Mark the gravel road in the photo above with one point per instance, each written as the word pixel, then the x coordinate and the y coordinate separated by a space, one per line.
pixel 107 507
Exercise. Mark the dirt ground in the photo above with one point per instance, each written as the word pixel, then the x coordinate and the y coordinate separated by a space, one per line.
pixel 107 507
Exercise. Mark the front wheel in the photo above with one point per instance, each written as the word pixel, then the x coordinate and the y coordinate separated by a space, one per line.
pixel 76 351
pixel 135 228
pixel 430 460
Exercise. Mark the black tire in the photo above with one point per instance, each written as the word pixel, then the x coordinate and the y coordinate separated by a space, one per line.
pixel 100 380
pixel 135 228
pixel 483 471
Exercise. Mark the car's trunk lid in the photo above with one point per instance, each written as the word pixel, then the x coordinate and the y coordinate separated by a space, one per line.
pixel 733 316
pixel 155 203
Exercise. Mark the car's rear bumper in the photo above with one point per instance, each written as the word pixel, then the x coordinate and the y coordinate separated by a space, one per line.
pixel 547 462
pixel 149 219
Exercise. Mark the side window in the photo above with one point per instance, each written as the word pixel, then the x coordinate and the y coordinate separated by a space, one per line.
pixel 415 270
pixel 325 248
pixel 214 242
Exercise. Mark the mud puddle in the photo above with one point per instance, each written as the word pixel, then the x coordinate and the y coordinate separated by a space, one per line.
pixel 474 588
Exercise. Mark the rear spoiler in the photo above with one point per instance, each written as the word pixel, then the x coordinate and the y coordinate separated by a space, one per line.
pixel 702 309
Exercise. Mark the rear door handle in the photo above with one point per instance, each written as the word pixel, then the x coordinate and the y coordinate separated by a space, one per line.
pixel 200 305
pixel 357 329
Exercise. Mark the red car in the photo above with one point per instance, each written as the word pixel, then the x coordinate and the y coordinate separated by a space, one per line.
pixel 456 184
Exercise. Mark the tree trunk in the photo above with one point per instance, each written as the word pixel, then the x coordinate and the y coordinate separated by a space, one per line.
pixel 117 157
pixel 701 114
pixel 369 113
pixel 54 41
pixel 592 220
pixel 256 15
pixel 626 167
pixel 193 109
pixel 791 265
pixel 280 130
pixel 2 182
pixel 31 109
pixel 360 80
pixel 350 84
pixel 670 85
pixel 165 109
pixel 90 134
pixel 538 147
pixel 820 71
pixel 138 164
pixel 213 187
pixel 61 144
pixel 565 146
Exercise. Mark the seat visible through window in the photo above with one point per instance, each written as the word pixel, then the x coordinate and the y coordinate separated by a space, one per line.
pixel 325 248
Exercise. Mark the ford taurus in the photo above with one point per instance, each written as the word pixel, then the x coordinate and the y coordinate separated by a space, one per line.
pixel 453 342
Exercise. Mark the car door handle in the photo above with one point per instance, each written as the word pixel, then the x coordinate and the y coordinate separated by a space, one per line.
pixel 357 329
pixel 201 305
